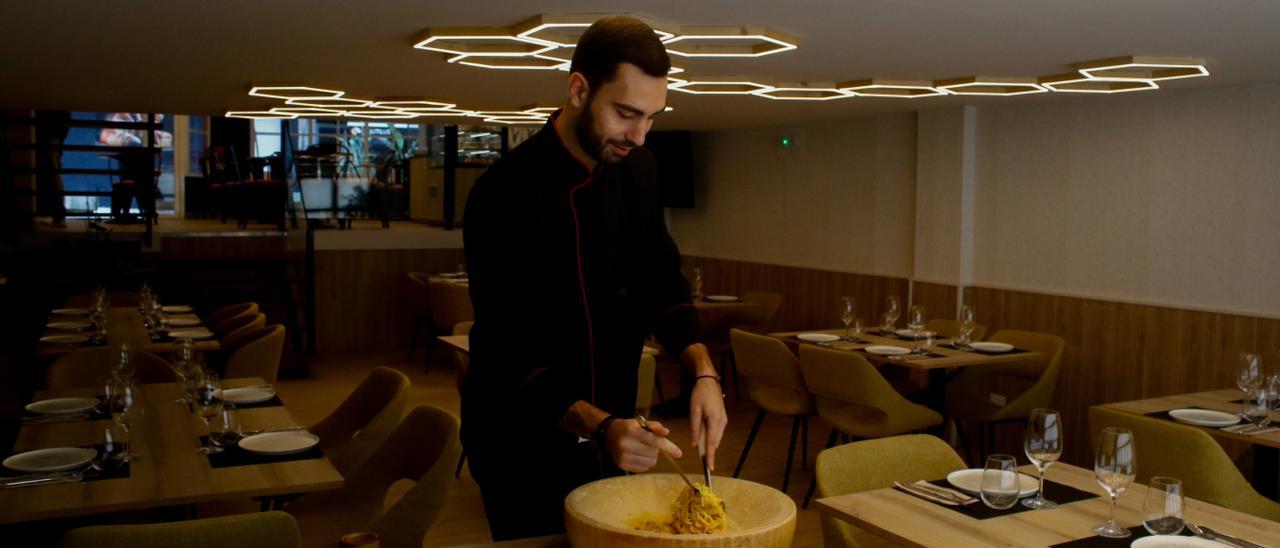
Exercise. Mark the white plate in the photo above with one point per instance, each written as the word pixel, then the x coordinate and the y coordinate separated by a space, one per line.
pixel 53 459
pixel 991 346
pixel 182 322
pixel 247 394
pixel 818 337
pixel 71 311
pixel 885 350
pixel 190 334
pixel 59 406
pixel 721 298
pixel 1174 541
pixel 64 339
pixel 1204 417
pixel 69 326
pixel 176 308
pixel 279 443
pixel 970 481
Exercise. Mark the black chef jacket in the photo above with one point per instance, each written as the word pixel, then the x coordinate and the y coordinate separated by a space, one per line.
pixel 569 269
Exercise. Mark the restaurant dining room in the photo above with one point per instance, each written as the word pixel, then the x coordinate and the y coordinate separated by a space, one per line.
pixel 640 274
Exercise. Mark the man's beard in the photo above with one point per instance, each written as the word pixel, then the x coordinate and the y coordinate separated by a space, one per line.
pixel 592 142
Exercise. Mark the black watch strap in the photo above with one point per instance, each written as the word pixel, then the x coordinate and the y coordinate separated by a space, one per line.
pixel 598 435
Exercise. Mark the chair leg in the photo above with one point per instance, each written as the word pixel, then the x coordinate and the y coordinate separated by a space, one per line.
pixel 733 364
pixel 755 429
pixel 413 339
pixel 791 453
pixel 831 441
pixel 804 443
pixel 462 459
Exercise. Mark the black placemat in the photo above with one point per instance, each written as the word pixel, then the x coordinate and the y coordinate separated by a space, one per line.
pixel 986 352
pixel 90 475
pixel 1054 491
pixel 95 414
pixel 235 456
pixel 1104 542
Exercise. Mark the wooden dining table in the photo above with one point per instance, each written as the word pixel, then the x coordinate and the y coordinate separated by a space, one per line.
pixel 1266 461
pixel 912 521
pixel 125 325
pixel 169 471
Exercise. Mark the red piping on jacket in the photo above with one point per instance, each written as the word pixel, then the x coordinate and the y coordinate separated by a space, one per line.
pixel 577 242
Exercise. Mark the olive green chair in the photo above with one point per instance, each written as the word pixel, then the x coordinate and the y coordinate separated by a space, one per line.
pixel 856 400
pixel 968 393
pixel 422 449
pixel 776 385
pixel 1166 448
pixel 363 421
pixel 260 530
pixel 951 329
pixel 876 464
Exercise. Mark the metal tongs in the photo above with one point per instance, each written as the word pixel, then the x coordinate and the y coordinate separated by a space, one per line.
pixel 645 425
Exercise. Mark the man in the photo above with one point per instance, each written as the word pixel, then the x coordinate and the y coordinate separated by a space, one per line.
pixel 570 265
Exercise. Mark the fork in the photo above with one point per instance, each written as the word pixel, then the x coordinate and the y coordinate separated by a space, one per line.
pixel 1209 534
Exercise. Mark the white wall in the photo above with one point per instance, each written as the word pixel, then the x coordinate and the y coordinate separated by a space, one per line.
pixel 843 200
pixel 1168 198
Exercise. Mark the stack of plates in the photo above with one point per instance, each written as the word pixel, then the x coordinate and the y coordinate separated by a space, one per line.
pixel 53 459
pixel 197 334
pixel 182 322
pixel 885 350
pixel 68 326
pixel 1204 417
pixel 279 443
pixel 64 339
pixel 818 337
pixel 991 346
pixel 247 394
pixel 62 406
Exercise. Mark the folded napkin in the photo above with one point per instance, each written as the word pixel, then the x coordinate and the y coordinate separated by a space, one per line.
pixel 1247 429
pixel 936 494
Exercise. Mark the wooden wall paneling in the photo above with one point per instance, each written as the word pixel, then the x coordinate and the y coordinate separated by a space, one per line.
pixel 1164 372
pixel 938 300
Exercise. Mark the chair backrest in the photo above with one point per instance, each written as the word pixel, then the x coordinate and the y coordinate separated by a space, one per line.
pixel 461 360
pixel 364 420
pixel 424 448
pixel 88 367
pixel 760 317
pixel 420 294
pixel 1165 448
pixel 769 366
pixel 839 378
pixel 241 335
pixel 259 357
pixel 223 314
pixel 450 304
pixel 876 464
pixel 261 529
pixel 225 327
pixel 645 379
pixel 1044 370
pixel 951 328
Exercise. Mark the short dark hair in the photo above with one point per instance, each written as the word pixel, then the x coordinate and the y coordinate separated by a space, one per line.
pixel 614 40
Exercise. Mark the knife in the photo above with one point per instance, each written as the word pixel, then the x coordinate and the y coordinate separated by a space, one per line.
pixel 41 479
pixel 1209 534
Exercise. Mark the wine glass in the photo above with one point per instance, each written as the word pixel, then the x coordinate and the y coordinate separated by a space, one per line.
pixel 893 309
pixel 1249 374
pixel 124 363
pixel 1257 406
pixel 847 315
pixel 967 325
pixel 114 449
pixel 1113 466
pixel 696 284
pixel 1043 444
pixel 1000 484
pixel 124 409
pixel 208 406
pixel 915 320
pixel 224 428
pixel 1162 510
pixel 886 324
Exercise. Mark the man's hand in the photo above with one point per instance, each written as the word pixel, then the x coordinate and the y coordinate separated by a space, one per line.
pixel 706 410
pixel 634 449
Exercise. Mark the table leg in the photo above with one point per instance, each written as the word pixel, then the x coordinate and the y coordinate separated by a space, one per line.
pixel 935 398
pixel 1266 462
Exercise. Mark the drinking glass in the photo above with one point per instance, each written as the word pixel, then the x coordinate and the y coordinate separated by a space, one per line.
pixel 886 324
pixel 124 409
pixel 1000 482
pixel 1113 466
pixel 224 428
pixel 1257 406
pixel 893 309
pixel 967 325
pixel 924 344
pixel 1273 387
pixel 1162 511
pixel 1043 444
pixel 915 319
pixel 696 284
pixel 847 315
pixel 124 366
pixel 208 406
pixel 114 449
pixel 1249 374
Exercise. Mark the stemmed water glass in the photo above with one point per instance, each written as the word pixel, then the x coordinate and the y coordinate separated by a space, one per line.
pixel 115 448
pixel 915 322
pixel 1249 374
pixel 1043 444
pixel 208 406
pixel 1257 406
pixel 1000 483
pixel 967 325
pixel 124 367
pixel 1162 510
pixel 696 283
pixel 224 428
pixel 1113 466
pixel 893 309
pixel 847 316
pixel 121 400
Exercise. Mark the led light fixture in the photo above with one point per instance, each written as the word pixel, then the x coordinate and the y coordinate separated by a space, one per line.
pixel 341 102
pixel 1076 83
pixel 1141 68
pixel 293 92
pixel 490 41
pixel 728 42
pixel 718 86
pixel 802 92
pixel 259 115
pixel 1002 86
pixel 899 89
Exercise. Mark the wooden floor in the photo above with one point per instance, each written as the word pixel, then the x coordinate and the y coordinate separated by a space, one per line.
pixel 463 521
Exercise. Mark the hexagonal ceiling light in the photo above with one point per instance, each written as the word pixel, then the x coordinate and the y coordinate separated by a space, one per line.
pixel 1143 68
pixel 900 89
pixel 718 85
pixel 563 30
pixel 802 92
pixel 294 92
pixel 1074 82
pixel 729 42
pixel 1000 86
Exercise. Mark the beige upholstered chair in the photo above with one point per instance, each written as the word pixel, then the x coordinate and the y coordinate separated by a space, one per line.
pixel 422 449
pixel 856 400
pixel 450 305
pixel 364 420
pixel 235 339
pixel 757 319
pixel 951 329
pixel 876 464
pixel 775 383
pixel 227 312
pixel 226 327
pixel 260 530
pixel 968 393
pixel 259 356
pixel 88 367
pixel 1166 448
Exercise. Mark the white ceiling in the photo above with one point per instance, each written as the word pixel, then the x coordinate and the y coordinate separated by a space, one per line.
pixel 198 56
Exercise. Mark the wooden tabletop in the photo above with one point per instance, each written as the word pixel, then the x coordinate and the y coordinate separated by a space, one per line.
pixel 124 324
pixel 170 471
pixel 950 357
pixel 1217 400
pixel 915 522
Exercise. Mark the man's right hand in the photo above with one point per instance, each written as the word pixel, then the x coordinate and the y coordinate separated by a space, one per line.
pixel 635 449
